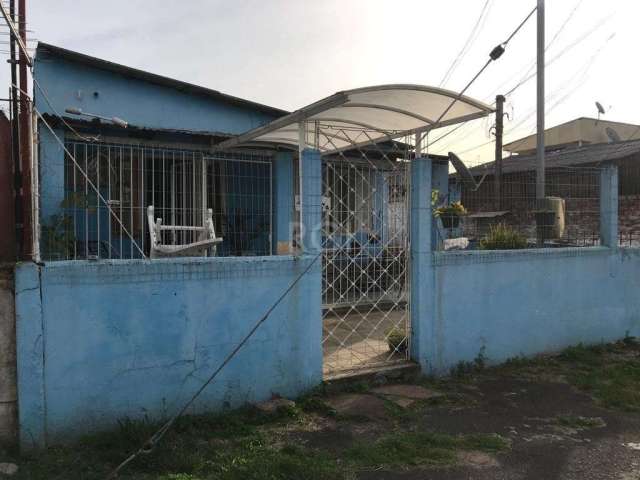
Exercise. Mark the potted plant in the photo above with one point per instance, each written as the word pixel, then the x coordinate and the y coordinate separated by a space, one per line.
pixel 397 340
pixel 503 237
pixel 450 214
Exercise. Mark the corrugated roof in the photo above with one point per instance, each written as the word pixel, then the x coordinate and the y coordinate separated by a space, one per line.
pixel 588 154
pixel 70 55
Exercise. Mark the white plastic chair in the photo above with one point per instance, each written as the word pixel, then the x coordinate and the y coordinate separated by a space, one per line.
pixel 206 238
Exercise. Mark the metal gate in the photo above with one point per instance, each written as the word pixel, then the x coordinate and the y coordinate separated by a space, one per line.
pixel 365 288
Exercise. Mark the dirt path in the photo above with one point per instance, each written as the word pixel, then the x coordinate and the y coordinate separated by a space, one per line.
pixel 549 440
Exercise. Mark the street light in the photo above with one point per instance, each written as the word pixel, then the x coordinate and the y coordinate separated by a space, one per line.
pixel 115 120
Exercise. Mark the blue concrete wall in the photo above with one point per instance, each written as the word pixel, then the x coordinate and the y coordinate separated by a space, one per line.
pixel 516 303
pixel 421 228
pixel 51 158
pixel 98 342
pixel 143 104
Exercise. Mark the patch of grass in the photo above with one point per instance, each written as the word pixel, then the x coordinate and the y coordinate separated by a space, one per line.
pixel 316 404
pixel 188 449
pixel 629 340
pixel 420 448
pixel 609 372
pixel 615 385
pixel 464 368
pixel 261 462
pixel 578 422
pixel 356 387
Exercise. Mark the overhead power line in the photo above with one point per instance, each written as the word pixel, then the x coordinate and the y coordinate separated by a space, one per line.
pixel 494 55
pixel 528 75
pixel 467 45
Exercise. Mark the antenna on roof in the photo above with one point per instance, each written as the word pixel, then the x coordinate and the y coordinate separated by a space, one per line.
pixel 465 175
pixel 601 111
pixel 613 135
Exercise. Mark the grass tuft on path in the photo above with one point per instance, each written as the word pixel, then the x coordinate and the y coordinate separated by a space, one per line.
pixel 402 449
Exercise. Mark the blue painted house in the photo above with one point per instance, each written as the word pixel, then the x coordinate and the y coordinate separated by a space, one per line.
pixel 143 139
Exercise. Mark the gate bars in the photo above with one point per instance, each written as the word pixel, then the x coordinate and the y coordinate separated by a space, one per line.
pixel 365 241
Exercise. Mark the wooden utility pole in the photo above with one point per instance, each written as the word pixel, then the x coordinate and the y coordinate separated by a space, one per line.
pixel 25 138
pixel 497 173
pixel 15 138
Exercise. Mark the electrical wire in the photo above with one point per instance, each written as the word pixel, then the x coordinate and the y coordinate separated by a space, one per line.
pixel 467 45
pixel 495 54
pixel 527 77
pixel 568 85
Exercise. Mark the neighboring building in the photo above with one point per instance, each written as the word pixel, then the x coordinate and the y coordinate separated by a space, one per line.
pixel 571 174
pixel 577 133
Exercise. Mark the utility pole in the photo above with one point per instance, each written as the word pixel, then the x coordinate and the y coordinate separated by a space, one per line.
pixel 541 217
pixel 25 138
pixel 497 173
pixel 15 137
pixel 540 193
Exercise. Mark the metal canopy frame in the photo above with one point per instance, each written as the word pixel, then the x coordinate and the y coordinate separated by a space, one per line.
pixel 383 112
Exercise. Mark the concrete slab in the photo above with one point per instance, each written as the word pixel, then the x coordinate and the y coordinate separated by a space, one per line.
pixel 358 404
pixel 413 392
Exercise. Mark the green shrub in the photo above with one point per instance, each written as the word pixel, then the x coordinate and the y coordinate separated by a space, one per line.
pixel 397 340
pixel 503 237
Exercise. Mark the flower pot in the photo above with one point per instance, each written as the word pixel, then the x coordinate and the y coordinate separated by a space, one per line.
pixel 450 221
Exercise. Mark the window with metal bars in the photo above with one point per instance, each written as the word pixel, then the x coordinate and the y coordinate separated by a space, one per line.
pixel 108 187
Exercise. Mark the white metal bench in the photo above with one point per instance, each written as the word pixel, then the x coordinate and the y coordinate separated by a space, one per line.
pixel 206 238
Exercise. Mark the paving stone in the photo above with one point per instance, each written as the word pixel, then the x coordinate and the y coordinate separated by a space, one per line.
pixel 414 392
pixel 8 469
pixel 271 406
pixel 477 459
pixel 358 404
pixel 400 401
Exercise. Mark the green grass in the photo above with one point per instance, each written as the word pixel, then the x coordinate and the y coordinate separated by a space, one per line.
pixel 197 445
pixel 242 445
pixel 609 372
pixel 402 449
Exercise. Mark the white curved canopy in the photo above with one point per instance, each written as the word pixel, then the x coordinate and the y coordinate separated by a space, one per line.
pixel 356 117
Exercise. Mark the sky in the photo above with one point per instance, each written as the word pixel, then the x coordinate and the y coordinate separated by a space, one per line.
pixel 289 53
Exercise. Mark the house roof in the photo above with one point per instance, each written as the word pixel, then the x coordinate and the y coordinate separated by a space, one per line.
pixel 589 154
pixel 70 55
pixel 584 130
